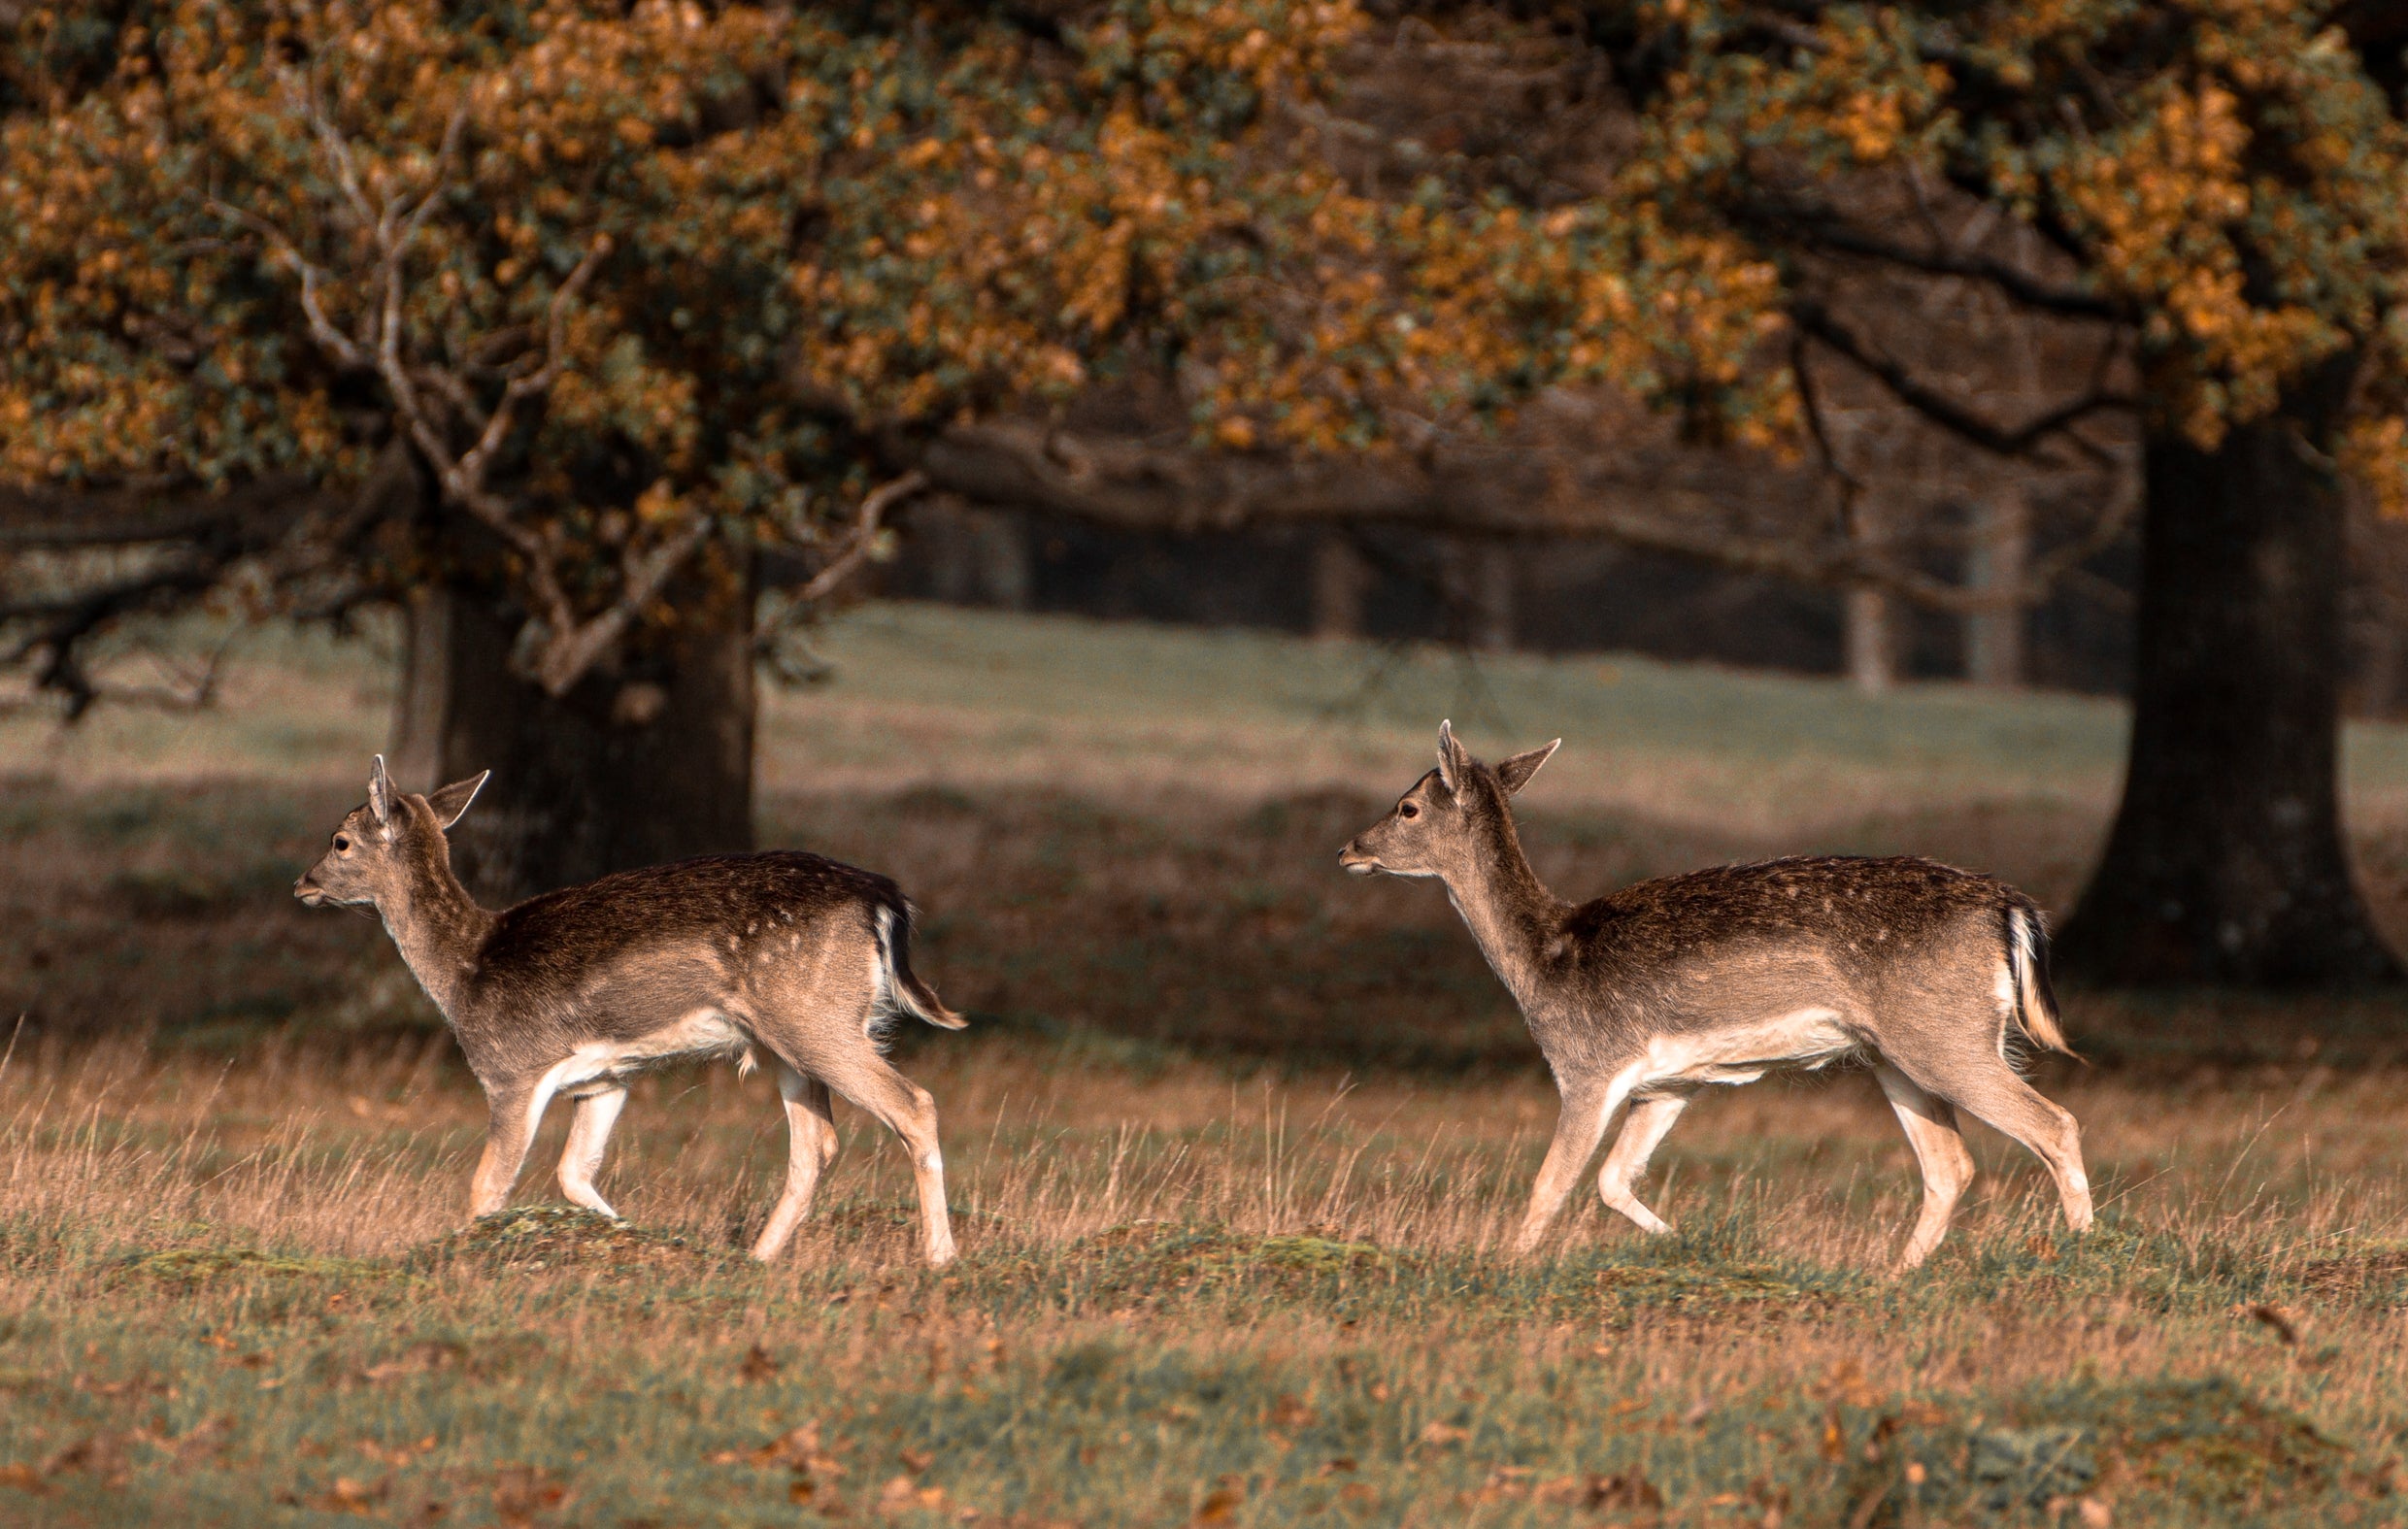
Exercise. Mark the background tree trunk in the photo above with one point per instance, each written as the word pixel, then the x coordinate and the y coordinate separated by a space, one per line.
pixel 1341 579
pixel 652 762
pixel 1869 639
pixel 2226 863
pixel 2000 552
pixel 1476 583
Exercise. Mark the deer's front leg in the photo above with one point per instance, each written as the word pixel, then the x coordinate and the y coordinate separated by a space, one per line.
pixel 511 1130
pixel 1579 1129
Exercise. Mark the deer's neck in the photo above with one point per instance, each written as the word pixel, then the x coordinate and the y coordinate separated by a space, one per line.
pixel 1509 910
pixel 439 931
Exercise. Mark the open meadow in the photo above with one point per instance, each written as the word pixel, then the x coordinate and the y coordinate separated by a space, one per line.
pixel 1235 1144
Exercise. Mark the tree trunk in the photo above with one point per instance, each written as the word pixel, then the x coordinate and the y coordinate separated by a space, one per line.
pixel 2225 864
pixel 1478 579
pixel 651 762
pixel 2002 549
pixel 1341 579
pixel 1870 617
pixel 1870 635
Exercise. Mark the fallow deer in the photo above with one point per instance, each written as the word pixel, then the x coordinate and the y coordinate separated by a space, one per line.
pixel 1724 975
pixel 572 992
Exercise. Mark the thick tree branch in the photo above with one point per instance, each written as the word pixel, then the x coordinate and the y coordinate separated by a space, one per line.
pixel 1828 232
pixel 1944 411
pixel 567 654
pixel 1136 486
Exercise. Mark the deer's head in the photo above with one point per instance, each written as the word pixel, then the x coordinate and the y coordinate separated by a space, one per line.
pixel 1446 825
pixel 377 852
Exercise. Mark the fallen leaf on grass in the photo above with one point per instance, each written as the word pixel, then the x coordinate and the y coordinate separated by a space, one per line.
pixel 797 1449
pixel 102 1455
pixel 345 1496
pixel 24 1478
pixel 1618 1493
pixel 423 1359
pixel 1623 1492
pixel 902 1494
pixel 522 1491
pixel 2286 1326
pixel 1845 1381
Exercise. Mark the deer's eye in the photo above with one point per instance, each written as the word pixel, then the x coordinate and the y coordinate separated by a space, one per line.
pixel 1407 809
pixel 343 843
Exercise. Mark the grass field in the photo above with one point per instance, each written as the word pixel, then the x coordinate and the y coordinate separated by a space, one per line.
pixel 1234 1144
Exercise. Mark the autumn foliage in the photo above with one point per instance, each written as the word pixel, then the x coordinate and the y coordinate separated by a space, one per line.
pixel 647 287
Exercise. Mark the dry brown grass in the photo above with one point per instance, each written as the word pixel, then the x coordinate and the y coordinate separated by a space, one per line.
pixel 1235 1144
pixel 2251 1232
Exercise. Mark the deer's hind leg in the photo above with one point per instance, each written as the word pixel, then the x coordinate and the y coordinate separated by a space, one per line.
pixel 866 1080
pixel 1643 1128
pixel 590 1131
pixel 1930 1125
pixel 1963 1064
pixel 811 1145
pixel 2002 1099
pixel 817 1020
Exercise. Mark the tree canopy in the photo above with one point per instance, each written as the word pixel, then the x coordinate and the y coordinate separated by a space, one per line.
pixel 650 287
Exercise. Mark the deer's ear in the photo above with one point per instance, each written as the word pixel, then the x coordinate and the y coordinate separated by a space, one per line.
pixel 453 799
pixel 1454 761
pixel 1515 773
pixel 380 793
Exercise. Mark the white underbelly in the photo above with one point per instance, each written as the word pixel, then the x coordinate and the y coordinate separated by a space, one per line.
pixel 1808 1038
pixel 705 1032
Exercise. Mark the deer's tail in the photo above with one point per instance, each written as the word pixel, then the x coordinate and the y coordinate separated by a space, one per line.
pixel 904 990
pixel 2027 962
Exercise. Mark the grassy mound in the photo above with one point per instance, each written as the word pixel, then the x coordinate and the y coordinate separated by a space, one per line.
pixel 1162 1257
pixel 539 1237
pixel 2188 1445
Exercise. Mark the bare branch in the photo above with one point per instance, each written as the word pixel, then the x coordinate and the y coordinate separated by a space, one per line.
pixel 1850 488
pixel 1502 490
pixel 345 350
pixel 1846 564
pixel 540 380
pixel 862 537
pixel 1828 232
pixel 1944 411
pixel 568 652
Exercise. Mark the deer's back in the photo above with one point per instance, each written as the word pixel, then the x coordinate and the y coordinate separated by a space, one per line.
pixel 633 949
pixel 1710 946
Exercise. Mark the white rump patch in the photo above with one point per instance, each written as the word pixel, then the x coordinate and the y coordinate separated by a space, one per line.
pixel 886 1011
